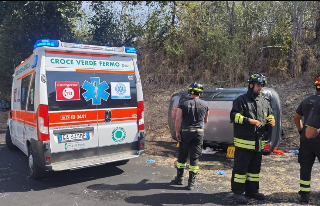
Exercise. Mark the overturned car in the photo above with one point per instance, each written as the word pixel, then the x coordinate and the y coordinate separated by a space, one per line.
pixel 218 132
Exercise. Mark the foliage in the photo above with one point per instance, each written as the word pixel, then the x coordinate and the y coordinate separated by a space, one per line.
pixel 24 22
pixel 211 41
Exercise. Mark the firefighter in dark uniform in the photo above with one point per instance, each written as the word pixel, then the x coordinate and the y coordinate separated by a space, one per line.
pixel 250 114
pixel 313 122
pixel 192 114
pixel 309 148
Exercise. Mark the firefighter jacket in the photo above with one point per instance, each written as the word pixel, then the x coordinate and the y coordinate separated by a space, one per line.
pixel 245 107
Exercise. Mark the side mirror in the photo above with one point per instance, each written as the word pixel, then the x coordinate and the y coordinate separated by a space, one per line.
pixel 4 105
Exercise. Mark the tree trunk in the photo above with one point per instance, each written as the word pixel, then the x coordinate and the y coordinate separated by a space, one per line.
pixel 173 13
pixel 292 51
pixel 231 13
pixel 300 19
pixel 317 27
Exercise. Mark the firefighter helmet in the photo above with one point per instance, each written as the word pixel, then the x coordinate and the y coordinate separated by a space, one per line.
pixel 258 78
pixel 317 83
pixel 195 88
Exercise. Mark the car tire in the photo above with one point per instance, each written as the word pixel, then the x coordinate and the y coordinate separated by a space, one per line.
pixel 9 143
pixel 35 171
pixel 122 162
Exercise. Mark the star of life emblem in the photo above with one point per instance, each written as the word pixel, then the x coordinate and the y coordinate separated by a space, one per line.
pixel 95 90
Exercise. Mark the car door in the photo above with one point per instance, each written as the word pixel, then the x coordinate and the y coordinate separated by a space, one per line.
pixel 116 104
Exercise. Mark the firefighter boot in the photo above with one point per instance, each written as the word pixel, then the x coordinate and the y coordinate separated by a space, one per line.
pixel 192 180
pixel 305 197
pixel 240 198
pixel 257 196
pixel 179 178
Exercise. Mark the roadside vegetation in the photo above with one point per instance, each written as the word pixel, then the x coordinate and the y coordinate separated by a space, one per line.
pixel 216 42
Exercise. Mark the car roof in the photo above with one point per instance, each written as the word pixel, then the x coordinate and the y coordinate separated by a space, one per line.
pixel 226 90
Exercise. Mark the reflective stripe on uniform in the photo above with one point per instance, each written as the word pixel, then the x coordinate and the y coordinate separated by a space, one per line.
pixel 304 189
pixel 253 177
pixel 307 183
pixel 238 118
pixel 194 169
pixel 246 144
pixel 263 143
pixel 270 117
pixel 181 165
pixel 239 178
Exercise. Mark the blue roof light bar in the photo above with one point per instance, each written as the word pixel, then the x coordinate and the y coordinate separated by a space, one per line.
pixel 46 42
pixel 131 50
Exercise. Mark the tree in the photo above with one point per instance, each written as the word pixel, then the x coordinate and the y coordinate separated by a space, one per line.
pixel 24 22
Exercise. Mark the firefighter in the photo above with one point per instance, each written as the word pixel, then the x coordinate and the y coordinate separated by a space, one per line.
pixel 192 115
pixel 309 148
pixel 313 123
pixel 251 113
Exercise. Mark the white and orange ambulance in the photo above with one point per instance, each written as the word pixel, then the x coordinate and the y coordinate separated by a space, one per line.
pixel 74 106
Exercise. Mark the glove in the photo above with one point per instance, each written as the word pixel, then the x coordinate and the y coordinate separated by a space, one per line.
pixel 272 122
pixel 300 132
pixel 255 122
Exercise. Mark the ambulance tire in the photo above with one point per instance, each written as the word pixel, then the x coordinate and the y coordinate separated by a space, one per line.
pixel 122 162
pixel 9 143
pixel 35 171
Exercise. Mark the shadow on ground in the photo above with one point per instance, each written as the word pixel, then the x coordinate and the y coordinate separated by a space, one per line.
pixel 182 196
pixel 15 177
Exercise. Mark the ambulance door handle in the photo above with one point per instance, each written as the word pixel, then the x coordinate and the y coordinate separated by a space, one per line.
pixel 108 116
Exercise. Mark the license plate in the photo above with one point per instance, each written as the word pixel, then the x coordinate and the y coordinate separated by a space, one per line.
pixel 230 151
pixel 74 137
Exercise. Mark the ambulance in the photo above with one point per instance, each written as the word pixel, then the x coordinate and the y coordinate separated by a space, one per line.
pixel 75 106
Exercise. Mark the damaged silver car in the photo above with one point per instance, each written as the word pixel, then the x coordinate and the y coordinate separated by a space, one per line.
pixel 218 132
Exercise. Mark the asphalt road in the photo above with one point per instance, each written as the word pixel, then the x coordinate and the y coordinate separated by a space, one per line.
pixel 136 183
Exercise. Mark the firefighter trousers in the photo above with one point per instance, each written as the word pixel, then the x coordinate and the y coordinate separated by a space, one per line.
pixel 246 170
pixel 308 151
pixel 190 141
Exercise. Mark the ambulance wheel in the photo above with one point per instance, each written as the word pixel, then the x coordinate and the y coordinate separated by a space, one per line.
pixel 9 143
pixel 35 171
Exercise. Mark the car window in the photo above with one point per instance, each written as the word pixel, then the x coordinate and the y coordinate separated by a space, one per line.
pixel 25 84
pixel 206 95
pixel 215 95
pixel 30 100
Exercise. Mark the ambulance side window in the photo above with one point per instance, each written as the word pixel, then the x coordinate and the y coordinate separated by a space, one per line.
pixel 31 94
pixel 25 82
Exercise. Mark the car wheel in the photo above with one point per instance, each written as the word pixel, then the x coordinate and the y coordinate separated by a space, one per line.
pixel 9 143
pixel 35 171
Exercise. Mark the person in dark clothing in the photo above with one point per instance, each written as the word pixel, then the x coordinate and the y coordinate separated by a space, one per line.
pixel 313 123
pixel 250 114
pixel 192 115
pixel 309 148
